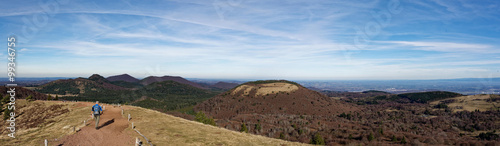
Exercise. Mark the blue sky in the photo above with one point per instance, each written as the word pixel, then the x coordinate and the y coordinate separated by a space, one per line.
pixel 248 39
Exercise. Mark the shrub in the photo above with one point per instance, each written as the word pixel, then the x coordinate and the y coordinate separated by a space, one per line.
pixel 29 98
pixel 346 116
pixel 371 137
pixel 282 135
pixel 318 139
pixel 441 105
pixel 258 127
pixel 394 139
pixel 202 118
pixel 488 136
pixel 5 99
pixel 244 128
pixel 6 113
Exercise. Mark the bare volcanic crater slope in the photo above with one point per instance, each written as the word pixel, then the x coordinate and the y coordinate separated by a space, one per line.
pixel 272 97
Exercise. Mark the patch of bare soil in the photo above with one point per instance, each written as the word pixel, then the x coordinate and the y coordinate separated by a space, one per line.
pixel 111 131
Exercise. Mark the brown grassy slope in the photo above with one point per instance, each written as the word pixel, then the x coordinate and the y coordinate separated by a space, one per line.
pixel 53 120
pixel 163 129
pixel 39 120
pixel 481 102
pixel 272 98
pixel 22 92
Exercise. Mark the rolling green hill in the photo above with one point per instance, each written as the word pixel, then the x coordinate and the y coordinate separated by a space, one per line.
pixel 170 95
pixel 163 96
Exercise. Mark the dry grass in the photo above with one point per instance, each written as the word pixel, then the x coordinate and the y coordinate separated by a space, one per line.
pixel 160 128
pixel 471 103
pixel 163 129
pixel 264 89
pixel 51 128
pixel 66 95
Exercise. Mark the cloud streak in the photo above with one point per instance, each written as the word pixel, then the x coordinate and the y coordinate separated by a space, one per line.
pixel 262 39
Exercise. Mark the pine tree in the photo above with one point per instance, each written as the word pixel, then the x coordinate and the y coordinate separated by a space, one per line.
pixel 202 118
pixel 394 139
pixel 5 99
pixel 244 128
pixel 371 137
pixel 258 127
pixel 403 141
pixel 318 139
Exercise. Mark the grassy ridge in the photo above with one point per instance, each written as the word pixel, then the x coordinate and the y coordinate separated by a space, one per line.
pixel 160 128
pixel 165 129
pixel 164 96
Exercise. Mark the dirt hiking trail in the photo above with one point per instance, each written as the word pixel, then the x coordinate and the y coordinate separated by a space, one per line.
pixel 111 130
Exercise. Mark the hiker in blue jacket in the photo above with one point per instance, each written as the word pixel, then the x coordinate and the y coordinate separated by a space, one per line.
pixel 97 111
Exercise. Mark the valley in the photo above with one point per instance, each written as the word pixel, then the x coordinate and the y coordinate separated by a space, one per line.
pixel 286 110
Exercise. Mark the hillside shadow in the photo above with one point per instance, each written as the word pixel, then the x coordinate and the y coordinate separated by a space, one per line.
pixel 107 123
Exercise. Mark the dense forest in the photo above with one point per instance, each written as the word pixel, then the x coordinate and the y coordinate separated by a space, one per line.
pixel 162 96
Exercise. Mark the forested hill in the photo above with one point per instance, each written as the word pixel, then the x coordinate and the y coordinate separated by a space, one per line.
pixel 163 96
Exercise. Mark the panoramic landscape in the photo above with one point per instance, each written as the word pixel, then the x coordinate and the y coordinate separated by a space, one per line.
pixel 245 72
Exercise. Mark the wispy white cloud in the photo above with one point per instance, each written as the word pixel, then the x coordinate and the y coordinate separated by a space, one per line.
pixel 298 39
pixel 448 46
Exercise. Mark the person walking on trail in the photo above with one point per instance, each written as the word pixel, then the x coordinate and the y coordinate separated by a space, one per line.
pixel 97 111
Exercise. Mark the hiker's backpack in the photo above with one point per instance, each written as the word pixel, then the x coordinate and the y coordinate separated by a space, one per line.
pixel 96 110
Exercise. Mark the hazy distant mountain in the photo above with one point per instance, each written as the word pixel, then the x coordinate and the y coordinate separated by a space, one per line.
pixel 153 79
pixel 224 85
pixel 123 77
